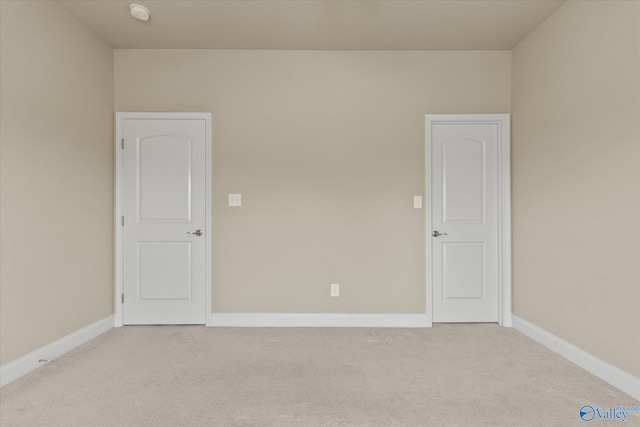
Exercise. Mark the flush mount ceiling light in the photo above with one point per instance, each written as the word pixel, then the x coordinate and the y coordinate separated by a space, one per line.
pixel 139 12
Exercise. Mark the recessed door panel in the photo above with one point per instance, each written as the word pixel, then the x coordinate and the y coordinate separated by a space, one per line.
pixel 164 178
pixel 462 270
pixel 165 270
pixel 463 180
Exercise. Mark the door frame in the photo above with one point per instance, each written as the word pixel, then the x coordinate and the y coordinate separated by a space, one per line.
pixel 119 205
pixel 504 208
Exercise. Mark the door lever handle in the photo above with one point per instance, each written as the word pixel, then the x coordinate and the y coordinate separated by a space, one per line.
pixel 198 232
pixel 436 233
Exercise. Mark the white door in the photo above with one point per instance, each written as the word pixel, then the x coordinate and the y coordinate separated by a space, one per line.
pixel 465 216
pixel 163 185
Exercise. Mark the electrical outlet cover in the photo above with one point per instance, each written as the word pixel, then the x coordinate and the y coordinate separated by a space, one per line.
pixel 335 290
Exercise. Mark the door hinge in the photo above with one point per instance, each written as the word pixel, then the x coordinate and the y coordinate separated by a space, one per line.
pixel 122 143
pixel 122 221
pixel 122 298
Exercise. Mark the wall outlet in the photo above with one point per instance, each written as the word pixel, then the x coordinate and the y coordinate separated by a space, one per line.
pixel 335 290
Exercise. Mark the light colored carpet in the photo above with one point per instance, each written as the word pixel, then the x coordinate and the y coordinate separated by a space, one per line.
pixel 450 375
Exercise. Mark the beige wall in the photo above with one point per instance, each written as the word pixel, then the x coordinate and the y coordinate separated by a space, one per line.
pixel 56 176
pixel 327 149
pixel 576 170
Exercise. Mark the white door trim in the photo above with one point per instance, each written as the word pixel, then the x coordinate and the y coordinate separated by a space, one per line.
pixel 119 205
pixel 504 209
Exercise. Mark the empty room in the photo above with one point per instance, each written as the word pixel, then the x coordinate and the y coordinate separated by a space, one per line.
pixel 319 213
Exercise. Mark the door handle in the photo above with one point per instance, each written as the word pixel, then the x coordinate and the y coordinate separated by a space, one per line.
pixel 198 232
pixel 436 233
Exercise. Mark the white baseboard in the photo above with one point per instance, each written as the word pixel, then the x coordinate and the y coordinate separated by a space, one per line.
pixel 618 378
pixel 326 320
pixel 11 371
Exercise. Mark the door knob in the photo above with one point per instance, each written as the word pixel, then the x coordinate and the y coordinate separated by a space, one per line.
pixel 198 232
pixel 436 233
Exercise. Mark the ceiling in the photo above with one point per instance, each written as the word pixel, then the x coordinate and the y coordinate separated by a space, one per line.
pixel 315 25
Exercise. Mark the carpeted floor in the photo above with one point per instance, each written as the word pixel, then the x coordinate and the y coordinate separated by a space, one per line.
pixel 449 375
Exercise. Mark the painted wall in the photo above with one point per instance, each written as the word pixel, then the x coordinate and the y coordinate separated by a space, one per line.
pixel 576 170
pixel 56 79
pixel 327 150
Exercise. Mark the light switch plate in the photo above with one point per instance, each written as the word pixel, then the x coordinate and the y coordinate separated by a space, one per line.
pixel 417 202
pixel 235 199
